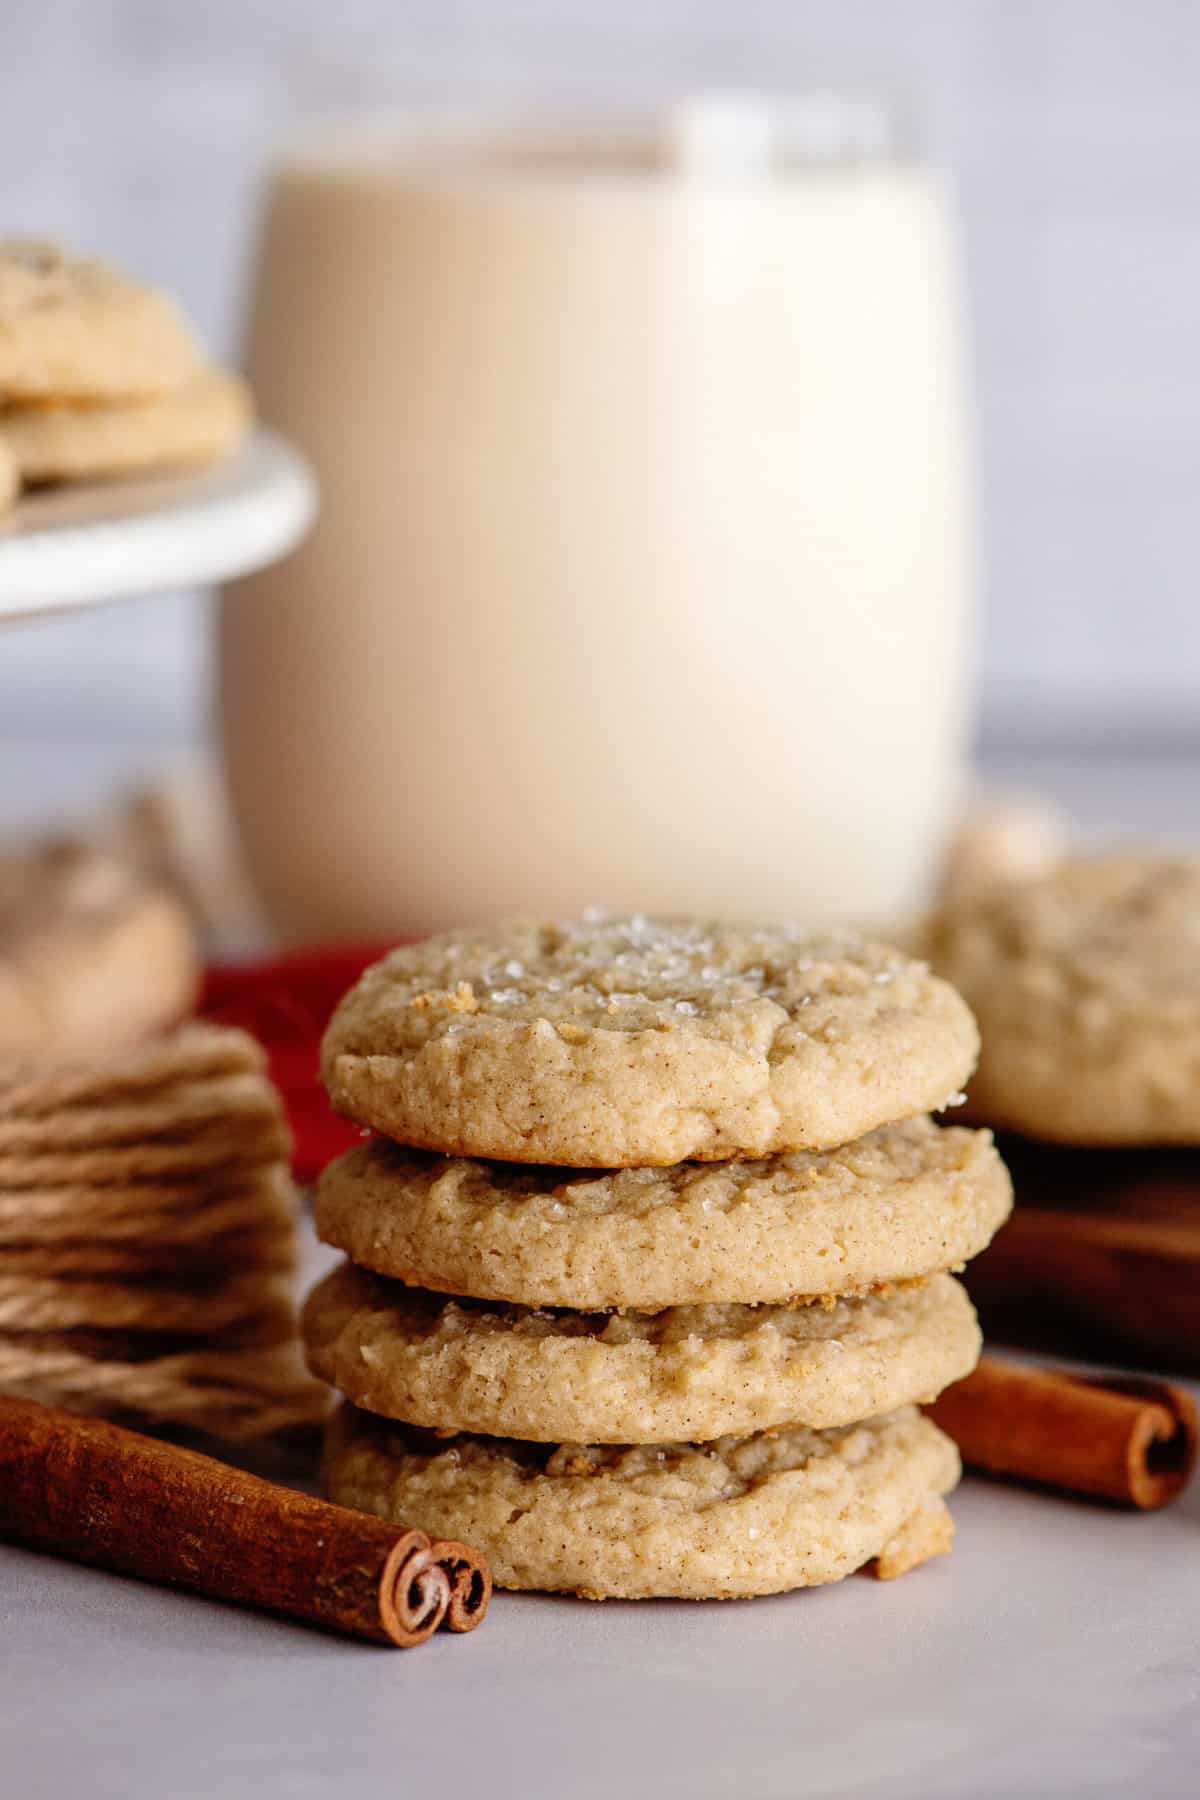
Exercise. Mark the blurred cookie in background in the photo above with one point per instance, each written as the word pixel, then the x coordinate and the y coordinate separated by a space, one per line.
pixel 200 422
pixel 92 957
pixel 1086 986
pixel 1004 837
pixel 101 376
pixel 76 328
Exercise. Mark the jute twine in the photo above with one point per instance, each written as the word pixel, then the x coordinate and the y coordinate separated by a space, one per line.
pixel 163 1217
pixel 151 1260
pixel 234 1109
pixel 231 1393
pixel 170 1065
pixel 147 1233
pixel 42 1303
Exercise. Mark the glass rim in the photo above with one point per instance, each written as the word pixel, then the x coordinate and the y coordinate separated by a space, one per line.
pixel 708 134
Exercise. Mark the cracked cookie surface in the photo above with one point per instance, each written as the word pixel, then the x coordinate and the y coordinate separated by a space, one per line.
pixel 740 1516
pixel 632 1043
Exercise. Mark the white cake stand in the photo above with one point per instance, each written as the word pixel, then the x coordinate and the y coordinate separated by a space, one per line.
pixel 91 543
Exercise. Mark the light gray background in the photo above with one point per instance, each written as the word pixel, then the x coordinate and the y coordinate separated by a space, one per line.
pixel 1071 129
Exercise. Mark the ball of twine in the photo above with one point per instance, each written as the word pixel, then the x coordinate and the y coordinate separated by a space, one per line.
pixel 147 1238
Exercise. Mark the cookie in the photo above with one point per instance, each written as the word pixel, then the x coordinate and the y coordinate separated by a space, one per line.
pixel 907 1200
pixel 627 1044
pixel 91 959
pixel 1087 988
pixel 741 1516
pixel 929 1532
pixel 198 423
pixel 1003 838
pixel 691 1372
pixel 73 328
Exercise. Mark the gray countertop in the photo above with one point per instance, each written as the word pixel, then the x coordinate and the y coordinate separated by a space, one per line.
pixel 1055 1653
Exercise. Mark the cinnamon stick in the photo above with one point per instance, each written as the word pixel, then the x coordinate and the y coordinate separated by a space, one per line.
pixel 1121 1438
pixel 1101 1258
pixel 1093 1285
pixel 96 1493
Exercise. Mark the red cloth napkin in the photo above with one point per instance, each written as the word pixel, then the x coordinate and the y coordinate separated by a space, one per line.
pixel 285 1002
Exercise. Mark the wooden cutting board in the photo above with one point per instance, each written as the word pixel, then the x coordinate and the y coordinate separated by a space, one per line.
pixel 1101 1258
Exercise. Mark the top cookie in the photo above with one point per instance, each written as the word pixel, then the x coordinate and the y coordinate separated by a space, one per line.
pixel 628 1043
pixel 1087 988
pixel 72 328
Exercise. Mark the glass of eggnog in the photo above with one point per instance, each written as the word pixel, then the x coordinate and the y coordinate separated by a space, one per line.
pixel 642 577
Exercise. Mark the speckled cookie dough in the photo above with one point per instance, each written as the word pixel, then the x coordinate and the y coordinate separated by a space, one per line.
pixel 692 1372
pixel 203 420
pixel 905 1201
pixel 742 1516
pixel 1087 987
pixel 631 1043
pixel 72 328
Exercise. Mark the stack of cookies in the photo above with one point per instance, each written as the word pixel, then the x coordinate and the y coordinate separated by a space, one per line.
pixel 147 1236
pixel 649 1271
pixel 100 375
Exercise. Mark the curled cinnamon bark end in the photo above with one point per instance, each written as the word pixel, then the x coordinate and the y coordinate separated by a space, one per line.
pixel 414 1591
pixel 1162 1444
pixel 1125 1439
pixel 470 1584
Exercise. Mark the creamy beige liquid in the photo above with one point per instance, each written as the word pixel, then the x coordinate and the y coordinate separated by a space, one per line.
pixel 641 577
